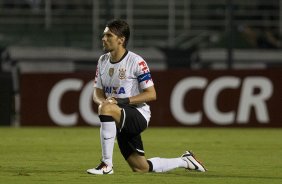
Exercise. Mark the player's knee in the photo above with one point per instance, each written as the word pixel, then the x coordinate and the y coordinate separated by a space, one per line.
pixel 105 109
pixel 140 170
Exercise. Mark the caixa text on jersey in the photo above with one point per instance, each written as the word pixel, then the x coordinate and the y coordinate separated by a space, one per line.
pixel 114 90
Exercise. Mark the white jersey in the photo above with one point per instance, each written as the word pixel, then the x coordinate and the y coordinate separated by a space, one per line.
pixel 125 78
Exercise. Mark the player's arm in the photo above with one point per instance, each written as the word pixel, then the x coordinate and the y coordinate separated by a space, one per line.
pixel 148 94
pixel 98 93
pixel 98 96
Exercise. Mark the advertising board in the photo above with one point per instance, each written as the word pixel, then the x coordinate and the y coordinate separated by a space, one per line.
pixel 204 98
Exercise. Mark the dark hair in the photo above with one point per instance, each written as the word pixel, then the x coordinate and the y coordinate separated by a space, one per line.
pixel 120 28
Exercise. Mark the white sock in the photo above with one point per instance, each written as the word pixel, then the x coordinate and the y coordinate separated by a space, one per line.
pixel 167 164
pixel 107 136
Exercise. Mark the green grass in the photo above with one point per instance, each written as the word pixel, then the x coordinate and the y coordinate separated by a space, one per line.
pixel 61 155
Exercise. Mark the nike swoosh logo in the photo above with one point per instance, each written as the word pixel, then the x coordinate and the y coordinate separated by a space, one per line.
pixel 104 172
pixel 107 138
pixel 196 167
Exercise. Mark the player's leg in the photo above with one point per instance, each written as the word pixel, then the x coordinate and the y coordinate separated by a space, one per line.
pixel 131 146
pixel 139 163
pixel 109 115
pixel 129 139
pixel 187 161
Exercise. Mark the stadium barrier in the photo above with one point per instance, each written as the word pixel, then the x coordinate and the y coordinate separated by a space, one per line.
pixel 203 98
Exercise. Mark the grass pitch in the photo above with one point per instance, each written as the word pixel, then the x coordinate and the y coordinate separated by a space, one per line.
pixel 62 155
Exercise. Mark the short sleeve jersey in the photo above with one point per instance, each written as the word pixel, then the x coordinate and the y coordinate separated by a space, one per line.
pixel 125 78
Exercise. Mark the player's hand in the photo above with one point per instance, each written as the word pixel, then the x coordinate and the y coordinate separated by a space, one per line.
pixel 111 100
pixel 122 101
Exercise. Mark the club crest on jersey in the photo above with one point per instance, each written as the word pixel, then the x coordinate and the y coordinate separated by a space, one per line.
pixel 111 72
pixel 121 74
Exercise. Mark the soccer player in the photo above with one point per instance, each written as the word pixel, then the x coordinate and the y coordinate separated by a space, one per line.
pixel 123 86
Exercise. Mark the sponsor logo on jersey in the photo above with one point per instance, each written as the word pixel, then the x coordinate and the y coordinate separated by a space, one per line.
pixel 114 90
pixel 122 73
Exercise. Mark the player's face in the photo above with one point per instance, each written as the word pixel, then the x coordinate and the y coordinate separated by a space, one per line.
pixel 111 41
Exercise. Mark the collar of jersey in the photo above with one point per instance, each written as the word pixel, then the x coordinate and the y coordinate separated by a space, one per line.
pixel 126 51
